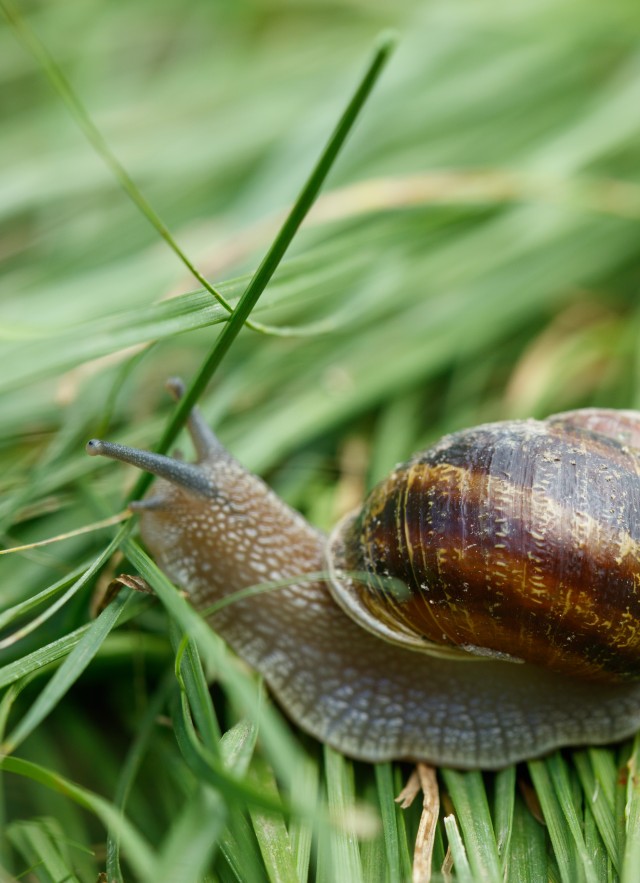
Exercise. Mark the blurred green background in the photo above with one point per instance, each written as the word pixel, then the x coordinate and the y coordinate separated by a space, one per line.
pixel 474 256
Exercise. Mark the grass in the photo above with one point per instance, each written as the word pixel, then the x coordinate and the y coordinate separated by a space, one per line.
pixel 473 256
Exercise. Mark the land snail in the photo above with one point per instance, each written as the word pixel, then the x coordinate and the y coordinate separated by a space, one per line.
pixel 482 607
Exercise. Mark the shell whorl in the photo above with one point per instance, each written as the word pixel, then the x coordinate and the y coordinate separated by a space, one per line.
pixel 518 539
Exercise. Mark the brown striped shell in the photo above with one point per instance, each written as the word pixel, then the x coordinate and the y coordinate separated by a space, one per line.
pixel 512 540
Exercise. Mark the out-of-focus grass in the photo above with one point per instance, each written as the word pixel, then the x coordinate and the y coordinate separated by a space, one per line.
pixel 474 256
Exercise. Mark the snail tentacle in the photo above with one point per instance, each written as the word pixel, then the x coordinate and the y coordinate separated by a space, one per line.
pixel 185 475
pixel 205 441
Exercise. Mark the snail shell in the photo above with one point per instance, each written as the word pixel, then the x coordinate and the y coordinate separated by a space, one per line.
pixel 512 541
pixel 517 539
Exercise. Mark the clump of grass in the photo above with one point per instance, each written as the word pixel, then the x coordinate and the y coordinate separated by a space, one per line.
pixel 474 257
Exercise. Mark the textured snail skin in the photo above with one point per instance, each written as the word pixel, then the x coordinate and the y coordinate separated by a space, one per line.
pixel 215 529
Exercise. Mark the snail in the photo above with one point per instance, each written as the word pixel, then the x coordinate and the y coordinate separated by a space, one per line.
pixel 482 607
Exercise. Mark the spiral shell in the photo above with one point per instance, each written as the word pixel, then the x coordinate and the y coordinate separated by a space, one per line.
pixel 516 540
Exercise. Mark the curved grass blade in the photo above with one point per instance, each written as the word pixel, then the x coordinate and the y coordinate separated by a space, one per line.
pixel 192 680
pixel 207 769
pixel 277 250
pixel 70 670
pixel 139 853
pixel 77 110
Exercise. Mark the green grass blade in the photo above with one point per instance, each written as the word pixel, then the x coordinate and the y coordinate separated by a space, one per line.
pixel 461 864
pixel 631 857
pixel 138 853
pixel 279 246
pixel 476 260
pixel 567 801
pixel 599 798
pixel 550 778
pixel 130 769
pixel 196 688
pixel 505 794
pixel 300 832
pixel 238 744
pixel 206 767
pixel 192 840
pixel 470 802
pixel 527 860
pixel 69 96
pixel 603 868
pixel 281 748
pixel 342 855
pixel 238 843
pixel 388 814
pixel 42 845
pixel 68 673
pixel 11 613
pixel 38 660
pixel 271 832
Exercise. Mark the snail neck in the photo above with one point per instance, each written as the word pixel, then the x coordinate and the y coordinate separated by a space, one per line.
pixel 237 535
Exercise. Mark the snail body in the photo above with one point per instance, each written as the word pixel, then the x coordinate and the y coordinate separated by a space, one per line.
pixel 482 607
